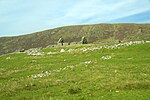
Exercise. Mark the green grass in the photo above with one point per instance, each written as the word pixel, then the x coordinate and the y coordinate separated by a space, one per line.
pixel 126 76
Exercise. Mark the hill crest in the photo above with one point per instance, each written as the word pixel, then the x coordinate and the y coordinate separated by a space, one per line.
pixel 94 33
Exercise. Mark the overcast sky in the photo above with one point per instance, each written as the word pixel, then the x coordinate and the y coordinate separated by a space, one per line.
pixel 19 17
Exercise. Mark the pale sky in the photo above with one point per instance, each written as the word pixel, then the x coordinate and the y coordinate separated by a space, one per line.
pixel 18 17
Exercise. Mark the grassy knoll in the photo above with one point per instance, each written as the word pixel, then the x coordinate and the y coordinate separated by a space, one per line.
pixel 125 75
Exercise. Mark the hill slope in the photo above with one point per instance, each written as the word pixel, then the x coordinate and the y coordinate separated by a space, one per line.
pixel 94 33
pixel 78 72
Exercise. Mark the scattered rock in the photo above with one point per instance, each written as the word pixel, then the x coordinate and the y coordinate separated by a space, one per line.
pixel 71 50
pixel 62 50
pixel 22 50
pixel 33 61
pixel 87 62
pixel 8 58
pixel 34 52
pixel 51 53
pixel 106 57
pixel 116 91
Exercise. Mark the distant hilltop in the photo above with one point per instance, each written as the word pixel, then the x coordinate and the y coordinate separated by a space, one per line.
pixel 97 33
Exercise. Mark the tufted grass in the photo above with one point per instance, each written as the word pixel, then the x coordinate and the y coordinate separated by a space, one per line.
pixel 125 76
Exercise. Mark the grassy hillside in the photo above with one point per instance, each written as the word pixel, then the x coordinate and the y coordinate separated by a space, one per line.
pixel 94 33
pixel 78 72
